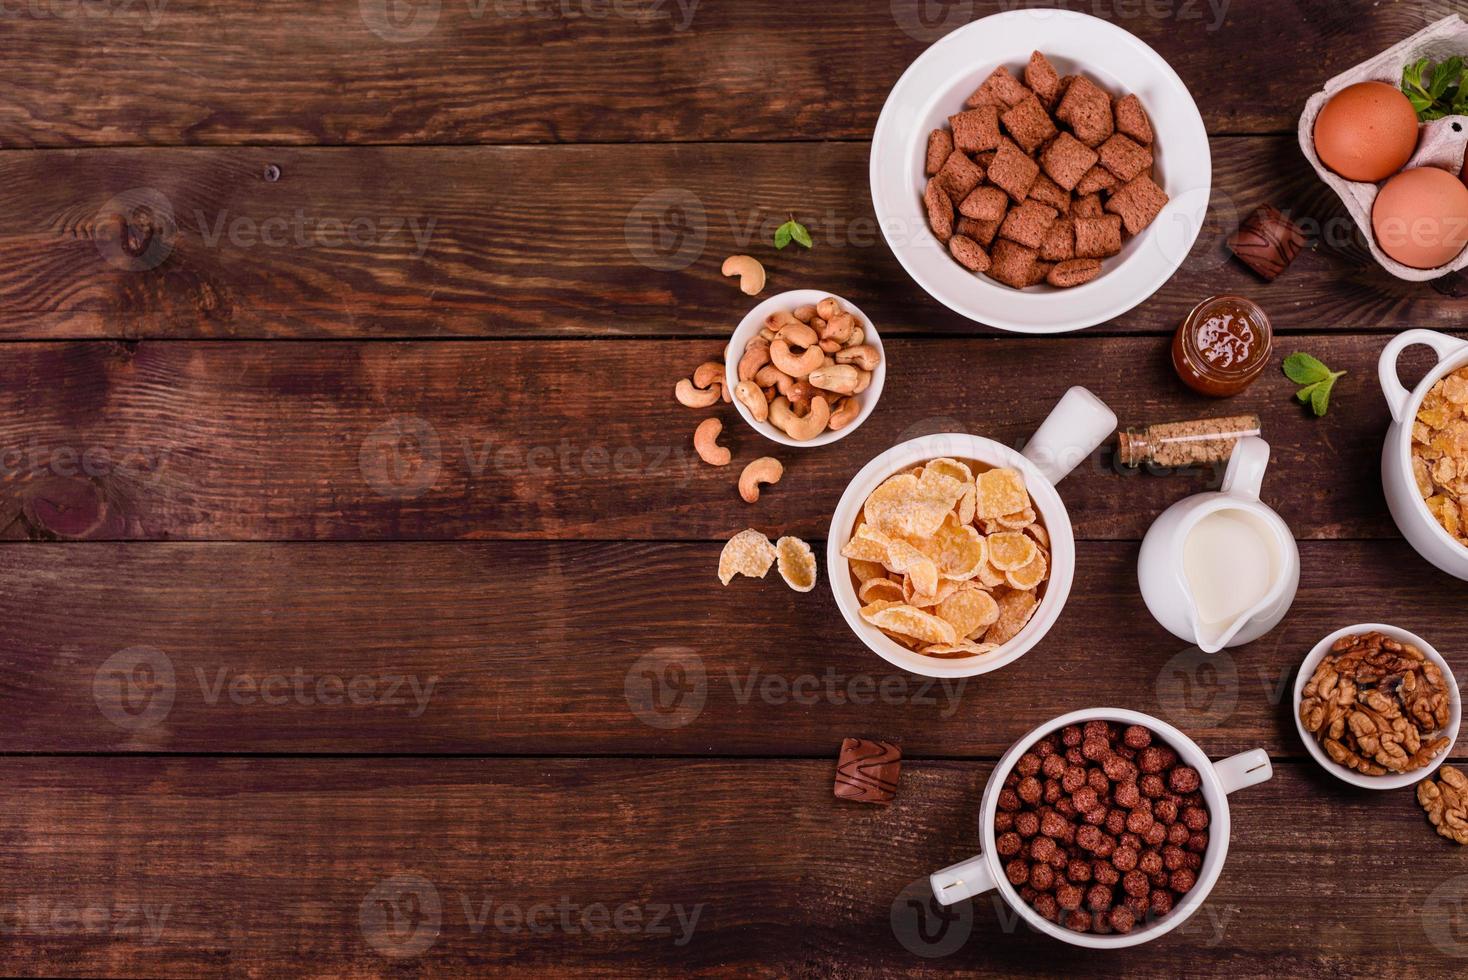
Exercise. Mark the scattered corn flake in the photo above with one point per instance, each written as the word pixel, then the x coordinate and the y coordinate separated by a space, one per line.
pixel 880 588
pixel 913 622
pixel 747 553
pixel 968 611
pixel 1000 492
pixel 1009 550
pixel 1015 610
pixel 797 563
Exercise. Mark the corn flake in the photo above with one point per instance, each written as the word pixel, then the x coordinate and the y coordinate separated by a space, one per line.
pixel 1015 610
pixel 797 563
pixel 963 648
pixel 1030 575
pixel 747 553
pixel 1001 492
pixel 968 611
pixel 865 571
pixel 913 622
pixel 1011 549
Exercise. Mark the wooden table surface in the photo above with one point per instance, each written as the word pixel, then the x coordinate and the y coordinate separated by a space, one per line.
pixel 358 612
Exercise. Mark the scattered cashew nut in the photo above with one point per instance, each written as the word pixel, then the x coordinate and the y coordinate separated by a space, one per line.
pixel 705 443
pixel 766 469
pixel 751 274
pixel 696 397
pixel 752 397
pixel 707 373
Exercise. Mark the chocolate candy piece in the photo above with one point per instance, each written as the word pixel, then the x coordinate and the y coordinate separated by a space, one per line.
pixel 867 771
pixel 1267 242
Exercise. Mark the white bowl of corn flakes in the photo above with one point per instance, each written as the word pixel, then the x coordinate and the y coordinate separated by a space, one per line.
pixel 1424 463
pixel 952 555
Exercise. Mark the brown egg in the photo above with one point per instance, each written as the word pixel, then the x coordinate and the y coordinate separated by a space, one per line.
pixel 1366 132
pixel 1421 217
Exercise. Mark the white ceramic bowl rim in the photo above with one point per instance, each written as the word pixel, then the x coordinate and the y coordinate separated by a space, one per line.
pixel 1392 780
pixel 788 301
pixel 1444 367
pixel 1048 506
pixel 1219 828
pixel 930 90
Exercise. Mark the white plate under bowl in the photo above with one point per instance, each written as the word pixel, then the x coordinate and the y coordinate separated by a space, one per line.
pixel 789 302
pixel 1391 780
pixel 935 87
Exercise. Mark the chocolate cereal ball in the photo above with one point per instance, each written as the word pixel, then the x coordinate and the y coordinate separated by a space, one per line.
pixel 1088 837
pixel 1151 786
pixel 1078 871
pixel 1105 873
pixel 1003 821
pixel 1137 737
pixel 1008 844
pixel 1178 834
pixel 1160 902
pixel 1184 779
pixel 1124 859
pixel 1042 848
pixel 1046 905
pixel 1079 920
pixel 1068 896
pixel 1028 764
pixel 1098 898
pixel 1197 843
pixel 1139 821
pixel 1122 919
pixel 1164 810
pixel 1042 877
pixel 1182 881
pixel 1156 836
pixel 1029 789
pixel 1008 799
pixel 1149 862
pixel 1135 883
pixel 1195 817
pixel 1027 823
pixel 1053 766
pixel 1017 871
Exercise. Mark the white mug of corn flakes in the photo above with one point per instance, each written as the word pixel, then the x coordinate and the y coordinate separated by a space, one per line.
pixel 1424 463
pixel 952 555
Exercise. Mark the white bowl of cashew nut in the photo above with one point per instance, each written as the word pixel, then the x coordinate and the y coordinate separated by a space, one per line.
pixel 820 394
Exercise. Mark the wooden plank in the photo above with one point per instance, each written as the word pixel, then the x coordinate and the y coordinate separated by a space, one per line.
pixel 531 439
pixel 252 867
pixel 471 71
pixel 625 240
pixel 591 649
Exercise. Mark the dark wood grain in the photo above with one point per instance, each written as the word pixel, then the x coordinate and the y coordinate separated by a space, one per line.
pixel 557 241
pixel 265 867
pixel 455 71
pixel 576 439
pixel 593 649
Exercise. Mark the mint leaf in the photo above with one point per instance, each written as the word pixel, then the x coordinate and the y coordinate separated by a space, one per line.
pixel 1435 90
pixel 1320 398
pixel 782 235
pixel 801 234
pixel 1303 369
pixel 1304 394
pixel 792 230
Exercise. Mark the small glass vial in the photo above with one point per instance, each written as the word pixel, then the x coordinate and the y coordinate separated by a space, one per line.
pixel 1180 444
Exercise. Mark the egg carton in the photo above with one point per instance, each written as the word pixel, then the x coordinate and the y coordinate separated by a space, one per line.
pixel 1441 144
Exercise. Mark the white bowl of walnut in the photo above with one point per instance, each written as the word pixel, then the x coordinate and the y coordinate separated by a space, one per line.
pixel 1387 721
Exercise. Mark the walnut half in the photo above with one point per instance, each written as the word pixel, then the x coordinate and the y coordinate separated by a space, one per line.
pixel 1446 803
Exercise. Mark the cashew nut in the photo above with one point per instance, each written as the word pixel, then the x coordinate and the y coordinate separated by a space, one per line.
pixel 779 321
pixel 753 398
pixel 828 308
pixel 696 397
pixel 766 469
pixel 797 334
pixel 801 429
pixel 840 378
pixel 751 274
pixel 766 334
pixel 796 367
pixel 805 314
pixel 800 395
pixel 858 337
pixel 845 413
pixel 756 356
pixel 771 375
pixel 705 443
pixel 864 383
pixel 830 346
pixel 864 356
pixel 839 327
pixel 707 373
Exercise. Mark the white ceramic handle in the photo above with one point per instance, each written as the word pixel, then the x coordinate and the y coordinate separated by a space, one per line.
pixel 963 880
pixel 1397 396
pixel 1077 425
pixel 1245 474
pixel 1243 770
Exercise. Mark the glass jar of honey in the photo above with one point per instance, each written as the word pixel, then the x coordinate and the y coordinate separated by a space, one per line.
pixel 1223 346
